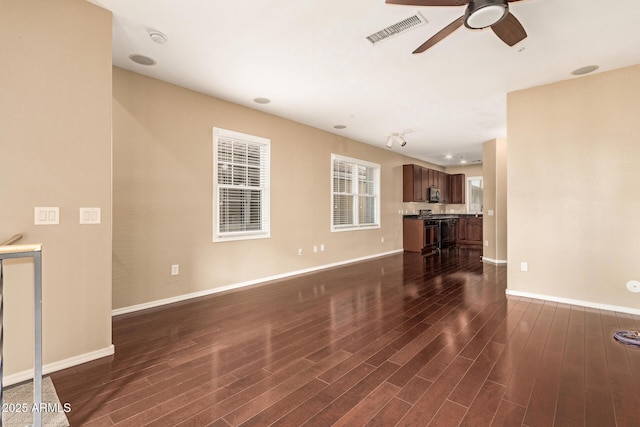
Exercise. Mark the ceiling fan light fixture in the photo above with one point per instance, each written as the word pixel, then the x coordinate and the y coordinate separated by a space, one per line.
pixel 485 13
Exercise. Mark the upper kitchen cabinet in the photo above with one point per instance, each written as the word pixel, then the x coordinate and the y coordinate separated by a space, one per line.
pixel 416 181
pixel 412 184
pixel 433 178
pixel 457 183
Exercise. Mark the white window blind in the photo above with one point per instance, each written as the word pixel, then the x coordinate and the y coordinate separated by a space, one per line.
pixel 355 194
pixel 241 186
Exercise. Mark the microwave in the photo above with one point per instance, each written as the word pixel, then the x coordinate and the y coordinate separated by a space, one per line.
pixel 434 195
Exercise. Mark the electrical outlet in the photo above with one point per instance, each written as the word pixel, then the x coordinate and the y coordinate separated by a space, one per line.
pixel 382 240
pixel 486 243
pixel 524 266
pixel 300 251
pixel 315 249
pixel 175 269
pixel 321 247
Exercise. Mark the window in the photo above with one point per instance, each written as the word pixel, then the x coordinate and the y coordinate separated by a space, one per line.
pixel 355 194
pixel 474 194
pixel 240 186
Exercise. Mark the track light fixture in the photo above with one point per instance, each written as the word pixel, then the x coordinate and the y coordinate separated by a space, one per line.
pixel 390 141
pixel 397 137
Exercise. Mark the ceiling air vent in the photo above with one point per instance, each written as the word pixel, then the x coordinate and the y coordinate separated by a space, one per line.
pixel 397 28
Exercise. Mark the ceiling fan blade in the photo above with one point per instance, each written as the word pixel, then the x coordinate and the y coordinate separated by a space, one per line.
pixel 509 30
pixel 440 35
pixel 428 2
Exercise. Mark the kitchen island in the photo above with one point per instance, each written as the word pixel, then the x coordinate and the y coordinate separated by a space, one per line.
pixel 427 234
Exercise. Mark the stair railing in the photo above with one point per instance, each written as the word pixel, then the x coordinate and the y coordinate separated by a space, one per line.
pixel 10 251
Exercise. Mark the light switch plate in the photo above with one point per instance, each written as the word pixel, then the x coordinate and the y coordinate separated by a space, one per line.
pixel 46 215
pixel 90 216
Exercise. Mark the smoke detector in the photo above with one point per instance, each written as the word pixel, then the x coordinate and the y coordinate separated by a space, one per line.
pixel 158 37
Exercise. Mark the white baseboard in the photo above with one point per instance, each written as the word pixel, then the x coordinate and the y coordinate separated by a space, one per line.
pixel 157 303
pixel 59 365
pixel 494 261
pixel 581 303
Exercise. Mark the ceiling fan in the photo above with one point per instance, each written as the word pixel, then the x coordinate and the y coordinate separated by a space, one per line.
pixel 479 14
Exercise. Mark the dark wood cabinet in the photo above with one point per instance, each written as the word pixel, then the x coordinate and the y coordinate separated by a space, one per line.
pixel 416 181
pixel 426 183
pixel 469 231
pixel 418 237
pixel 474 230
pixel 462 230
pixel 457 184
pixel 412 184
pixel 433 178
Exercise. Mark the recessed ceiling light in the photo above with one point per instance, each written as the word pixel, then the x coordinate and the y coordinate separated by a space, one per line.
pixel 448 157
pixel 339 127
pixel 261 100
pixel 585 70
pixel 142 59
pixel 463 161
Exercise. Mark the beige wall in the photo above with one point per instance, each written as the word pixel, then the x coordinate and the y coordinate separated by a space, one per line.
pixel 494 227
pixel 163 195
pixel 573 188
pixel 55 150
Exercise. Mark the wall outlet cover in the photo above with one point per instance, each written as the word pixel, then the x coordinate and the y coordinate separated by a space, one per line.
pixel 46 215
pixel 90 216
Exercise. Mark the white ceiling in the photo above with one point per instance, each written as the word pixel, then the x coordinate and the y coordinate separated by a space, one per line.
pixel 312 60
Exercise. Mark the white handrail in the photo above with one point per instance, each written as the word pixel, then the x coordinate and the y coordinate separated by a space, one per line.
pixel 11 240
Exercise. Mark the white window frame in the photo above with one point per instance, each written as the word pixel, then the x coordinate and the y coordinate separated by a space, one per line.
pixel 265 164
pixel 468 193
pixel 354 191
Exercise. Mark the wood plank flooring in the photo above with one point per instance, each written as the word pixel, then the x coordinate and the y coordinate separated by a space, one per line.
pixel 395 341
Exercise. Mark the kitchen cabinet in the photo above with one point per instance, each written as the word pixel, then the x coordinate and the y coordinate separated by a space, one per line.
pixel 469 231
pixel 462 230
pixel 433 178
pixel 418 236
pixel 426 182
pixel 412 184
pixel 457 184
pixel 416 181
pixel 474 230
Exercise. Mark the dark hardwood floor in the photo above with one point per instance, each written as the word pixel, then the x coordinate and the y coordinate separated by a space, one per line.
pixel 399 340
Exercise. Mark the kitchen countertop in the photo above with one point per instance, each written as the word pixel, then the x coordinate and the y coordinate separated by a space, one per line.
pixel 444 216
